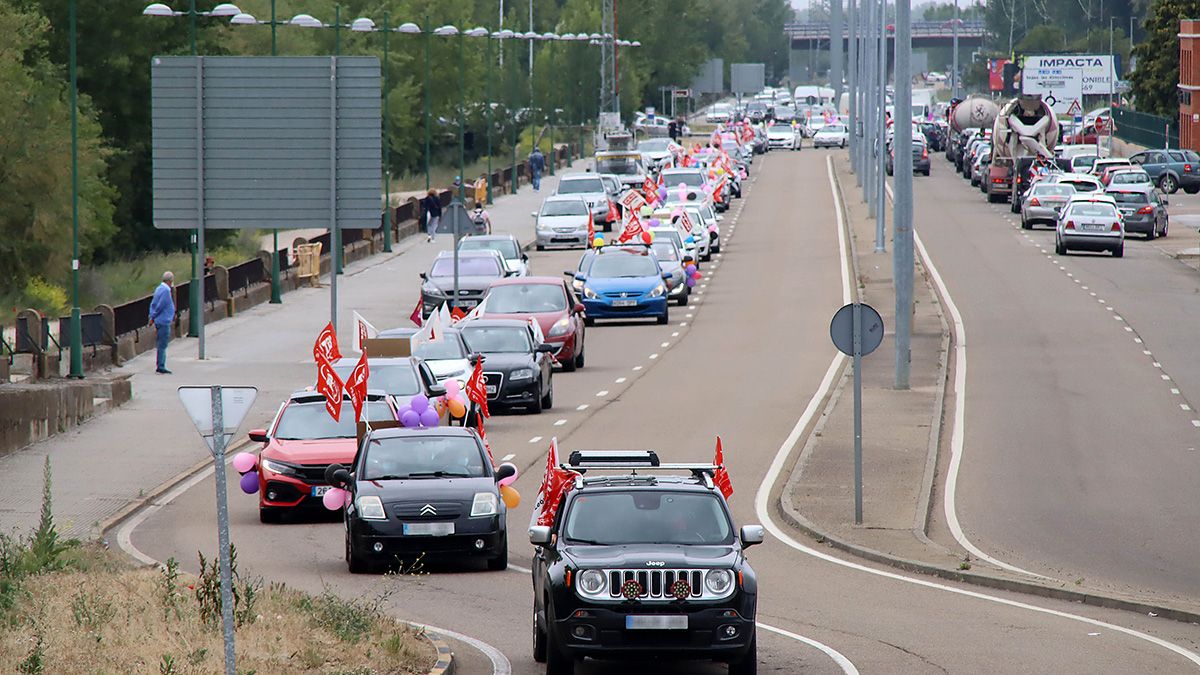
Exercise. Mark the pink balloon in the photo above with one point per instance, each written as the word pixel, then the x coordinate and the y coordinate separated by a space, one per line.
pixel 244 461
pixel 429 418
pixel 452 387
pixel 334 499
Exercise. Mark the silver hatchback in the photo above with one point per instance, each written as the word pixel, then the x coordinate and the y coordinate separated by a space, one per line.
pixel 1090 224
pixel 1043 202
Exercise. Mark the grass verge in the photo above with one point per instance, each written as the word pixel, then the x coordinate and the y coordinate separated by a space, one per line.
pixel 69 607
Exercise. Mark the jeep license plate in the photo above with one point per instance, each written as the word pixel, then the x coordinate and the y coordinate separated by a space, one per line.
pixel 429 529
pixel 656 622
pixel 624 303
pixel 320 490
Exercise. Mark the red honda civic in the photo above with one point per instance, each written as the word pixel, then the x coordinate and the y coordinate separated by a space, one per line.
pixel 552 303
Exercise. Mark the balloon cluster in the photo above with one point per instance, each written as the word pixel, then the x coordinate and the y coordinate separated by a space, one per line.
pixel 244 463
pixel 693 275
pixel 512 498
pixel 335 498
pixel 419 412
pixel 598 242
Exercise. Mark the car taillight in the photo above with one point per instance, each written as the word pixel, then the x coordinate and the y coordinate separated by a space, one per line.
pixel 1187 168
pixel 1070 225
pixel 1034 202
pixel 1116 227
pixel 1146 210
pixel 997 180
pixel 925 153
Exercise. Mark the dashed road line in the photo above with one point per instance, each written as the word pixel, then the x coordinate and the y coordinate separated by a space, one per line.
pixel 535 439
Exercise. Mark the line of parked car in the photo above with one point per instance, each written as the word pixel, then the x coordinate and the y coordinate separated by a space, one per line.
pixel 1093 200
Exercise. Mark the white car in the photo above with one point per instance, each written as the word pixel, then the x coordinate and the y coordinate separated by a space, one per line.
pixel 718 113
pixel 783 137
pixel 516 263
pixel 591 188
pixel 656 151
pixel 831 135
pixel 562 221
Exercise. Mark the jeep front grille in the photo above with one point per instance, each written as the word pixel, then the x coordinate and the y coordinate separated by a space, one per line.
pixel 656 585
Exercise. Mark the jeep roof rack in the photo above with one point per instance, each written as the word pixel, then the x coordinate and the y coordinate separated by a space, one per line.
pixel 581 461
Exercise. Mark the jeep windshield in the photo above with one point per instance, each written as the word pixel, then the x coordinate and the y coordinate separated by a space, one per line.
pixel 423 456
pixel 647 517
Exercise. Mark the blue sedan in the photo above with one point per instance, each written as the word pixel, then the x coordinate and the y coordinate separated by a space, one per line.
pixel 624 283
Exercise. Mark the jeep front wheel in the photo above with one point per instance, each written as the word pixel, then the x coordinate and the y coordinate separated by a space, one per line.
pixel 748 664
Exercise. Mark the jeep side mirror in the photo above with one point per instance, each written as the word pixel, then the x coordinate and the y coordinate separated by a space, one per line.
pixel 337 476
pixel 504 471
pixel 539 535
pixel 258 435
pixel 752 535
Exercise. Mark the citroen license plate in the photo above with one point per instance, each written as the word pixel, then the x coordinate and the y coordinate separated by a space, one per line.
pixel 429 529
pixel 656 622
pixel 624 303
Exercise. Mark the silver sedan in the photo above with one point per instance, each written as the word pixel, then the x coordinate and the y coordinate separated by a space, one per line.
pixel 1043 202
pixel 1091 225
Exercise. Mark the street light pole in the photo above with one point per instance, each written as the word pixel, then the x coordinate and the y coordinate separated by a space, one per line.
pixel 387 155
pixel 425 91
pixel 76 328
pixel 488 61
pixel 902 218
pixel 276 293
pixel 335 237
pixel 196 287
pixel 462 123
pixel 954 67
pixel 852 84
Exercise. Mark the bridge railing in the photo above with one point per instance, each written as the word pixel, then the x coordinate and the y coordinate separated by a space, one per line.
pixel 813 31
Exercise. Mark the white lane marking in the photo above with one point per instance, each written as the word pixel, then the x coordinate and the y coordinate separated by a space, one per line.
pixel 1137 340
pixel 602 392
pixel 1127 328
pixel 582 407
pixel 1174 391
pixel 1165 377
pixel 637 367
pixel 1156 364
pixel 507 457
pixel 653 356
pixel 500 663
pixel 675 334
pixel 619 380
pixel 683 323
pixel 1147 352
pixel 842 662
pixel 518 568
pixel 559 422
pixel 665 344
pixel 1184 406
pixel 958 437
pixel 789 443
pixel 689 315
pixel 535 439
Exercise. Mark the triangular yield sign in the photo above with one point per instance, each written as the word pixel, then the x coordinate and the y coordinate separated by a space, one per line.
pixel 235 403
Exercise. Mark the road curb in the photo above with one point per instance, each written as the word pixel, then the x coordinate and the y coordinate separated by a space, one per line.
pixel 103 526
pixel 797 520
pixel 445 661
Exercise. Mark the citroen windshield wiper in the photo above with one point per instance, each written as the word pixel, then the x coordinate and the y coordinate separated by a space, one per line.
pixel 589 542
pixel 438 474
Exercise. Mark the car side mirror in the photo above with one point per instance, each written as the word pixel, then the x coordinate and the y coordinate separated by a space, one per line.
pixel 545 348
pixel 539 535
pixel 533 213
pixel 524 257
pixel 505 470
pixel 687 260
pixel 424 277
pixel 666 276
pixel 437 390
pixel 337 475
pixel 258 435
pixel 579 308
pixel 752 535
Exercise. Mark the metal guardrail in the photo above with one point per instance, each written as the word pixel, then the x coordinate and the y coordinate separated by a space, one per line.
pixel 244 275
pixel 1151 131
pixel 5 347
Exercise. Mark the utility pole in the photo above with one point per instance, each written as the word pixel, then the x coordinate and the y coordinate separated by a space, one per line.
pixel 881 121
pixel 954 66
pixel 871 78
pixel 852 82
pixel 835 50
pixel 902 218
pixel 608 85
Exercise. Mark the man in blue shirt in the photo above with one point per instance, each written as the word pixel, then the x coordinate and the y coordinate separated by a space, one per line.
pixel 162 313
pixel 537 164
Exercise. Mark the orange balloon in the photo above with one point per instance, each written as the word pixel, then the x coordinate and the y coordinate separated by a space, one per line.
pixel 512 498
pixel 457 408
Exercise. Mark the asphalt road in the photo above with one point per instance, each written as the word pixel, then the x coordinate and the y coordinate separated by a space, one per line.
pixel 744 363
pixel 1082 441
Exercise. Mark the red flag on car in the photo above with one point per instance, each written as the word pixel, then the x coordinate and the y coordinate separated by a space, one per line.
pixel 356 385
pixel 456 315
pixel 612 212
pixel 330 385
pixel 633 230
pixel 477 390
pixel 555 482
pixel 721 476
pixel 326 346
pixel 591 229
pixel 415 317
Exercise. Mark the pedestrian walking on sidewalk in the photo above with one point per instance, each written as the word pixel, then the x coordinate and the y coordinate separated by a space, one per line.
pixel 162 314
pixel 537 164
pixel 480 187
pixel 432 206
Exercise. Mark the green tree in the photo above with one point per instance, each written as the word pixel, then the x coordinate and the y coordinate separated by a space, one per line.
pixel 35 167
pixel 1154 82
pixel 1043 40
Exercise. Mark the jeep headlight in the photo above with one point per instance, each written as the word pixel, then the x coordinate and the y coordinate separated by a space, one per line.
pixel 658 290
pixel 560 327
pixel 718 581
pixel 370 508
pixel 589 293
pixel 522 374
pixel 484 504
pixel 593 582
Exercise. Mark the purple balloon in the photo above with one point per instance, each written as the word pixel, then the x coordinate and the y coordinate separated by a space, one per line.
pixel 420 403
pixel 429 418
pixel 249 482
pixel 690 269
pixel 662 193
pixel 411 419
pixel 654 222
pixel 403 409
pixel 690 282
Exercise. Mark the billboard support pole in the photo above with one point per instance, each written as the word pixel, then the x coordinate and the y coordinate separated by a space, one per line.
pixel 333 238
pixel 198 307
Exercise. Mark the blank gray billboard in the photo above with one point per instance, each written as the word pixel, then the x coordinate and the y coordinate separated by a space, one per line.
pixel 266 142
pixel 747 78
pixel 711 79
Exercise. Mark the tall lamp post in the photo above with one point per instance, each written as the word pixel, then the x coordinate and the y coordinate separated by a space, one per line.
pixel 76 329
pixel 195 288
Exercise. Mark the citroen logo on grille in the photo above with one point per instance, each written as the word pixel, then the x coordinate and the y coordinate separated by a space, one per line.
pixel 428 510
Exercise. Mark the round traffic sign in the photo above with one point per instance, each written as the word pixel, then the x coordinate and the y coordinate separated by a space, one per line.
pixel 841 329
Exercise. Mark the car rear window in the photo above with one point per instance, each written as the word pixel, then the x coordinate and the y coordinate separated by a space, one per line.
pixel 397 379
pixel 1059 190
pixel 467 267
pixel 1082 185
pixel 1127 177
pixel 583 185
pixel 1129 197
pixel 1097 209
pixel 564 207
pixel 526 298
pixel 506 247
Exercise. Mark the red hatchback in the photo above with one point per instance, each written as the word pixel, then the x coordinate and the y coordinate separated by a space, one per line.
pixel 302 441
pixel 552 303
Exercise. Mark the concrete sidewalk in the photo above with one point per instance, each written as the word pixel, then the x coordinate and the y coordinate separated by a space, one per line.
pixel 105 464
